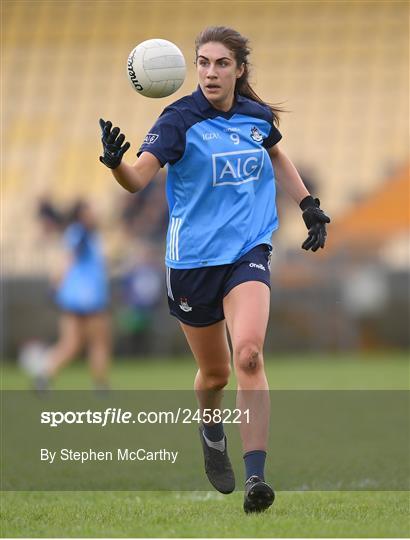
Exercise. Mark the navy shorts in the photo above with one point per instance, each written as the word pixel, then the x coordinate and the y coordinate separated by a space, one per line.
pixel 195 295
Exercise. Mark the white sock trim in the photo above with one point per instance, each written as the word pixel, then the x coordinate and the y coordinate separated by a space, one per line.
pixel 218 445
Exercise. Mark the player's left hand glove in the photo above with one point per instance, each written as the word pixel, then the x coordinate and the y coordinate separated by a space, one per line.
pixel 112 141
pixel 315 220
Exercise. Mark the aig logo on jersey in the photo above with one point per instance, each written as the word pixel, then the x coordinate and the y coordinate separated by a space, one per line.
pixel 233 168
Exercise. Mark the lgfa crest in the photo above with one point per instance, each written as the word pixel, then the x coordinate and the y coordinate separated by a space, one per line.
pixel 256 135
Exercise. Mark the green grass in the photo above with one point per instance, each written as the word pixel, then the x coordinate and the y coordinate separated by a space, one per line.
pixel 204 514
pixel 320 372
pixel 209 514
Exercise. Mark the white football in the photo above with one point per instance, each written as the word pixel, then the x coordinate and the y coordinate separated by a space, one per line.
pixel 156 68
pixel 33 358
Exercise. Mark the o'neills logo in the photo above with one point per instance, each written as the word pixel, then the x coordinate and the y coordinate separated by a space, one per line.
pixel 260 266
pixel 131 73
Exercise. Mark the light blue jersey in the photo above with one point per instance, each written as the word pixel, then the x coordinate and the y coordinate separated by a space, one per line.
pixel 220 182
pixel 84 288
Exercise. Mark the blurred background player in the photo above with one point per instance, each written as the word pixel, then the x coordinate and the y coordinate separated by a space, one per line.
pixel 80 290
pixel 222 216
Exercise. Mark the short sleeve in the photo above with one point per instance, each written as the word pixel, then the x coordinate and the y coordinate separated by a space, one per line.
pixel 166 139
pixel 273 138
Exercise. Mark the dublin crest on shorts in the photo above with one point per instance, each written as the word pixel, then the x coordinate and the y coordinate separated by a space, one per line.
pixel 184 305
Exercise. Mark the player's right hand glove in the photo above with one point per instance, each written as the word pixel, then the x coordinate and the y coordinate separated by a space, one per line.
pixel 113 147
pixel 315 220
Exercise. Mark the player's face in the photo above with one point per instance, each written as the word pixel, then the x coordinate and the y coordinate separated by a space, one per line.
pixel 217 74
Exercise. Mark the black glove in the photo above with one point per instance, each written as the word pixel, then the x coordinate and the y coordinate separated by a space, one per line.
pixel 112 141
pixel 315 220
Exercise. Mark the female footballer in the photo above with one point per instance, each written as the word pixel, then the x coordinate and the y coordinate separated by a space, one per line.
pixel 221 147
pixel 82 296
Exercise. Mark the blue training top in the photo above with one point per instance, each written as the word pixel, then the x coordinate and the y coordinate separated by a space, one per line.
pixel 84 288
pixel 220 182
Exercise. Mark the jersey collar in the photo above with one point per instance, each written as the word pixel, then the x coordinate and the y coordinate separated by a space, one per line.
pixel 205 106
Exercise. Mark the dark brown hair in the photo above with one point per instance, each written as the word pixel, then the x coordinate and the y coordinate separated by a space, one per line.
pixel 238 45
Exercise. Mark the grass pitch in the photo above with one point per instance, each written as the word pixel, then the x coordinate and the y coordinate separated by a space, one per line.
pixel 204 514
pixel 210 514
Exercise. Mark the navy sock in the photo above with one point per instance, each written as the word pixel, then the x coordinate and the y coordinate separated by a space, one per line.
pixel 255 463
pixel 214 433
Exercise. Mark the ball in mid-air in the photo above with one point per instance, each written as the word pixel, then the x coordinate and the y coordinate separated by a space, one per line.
pixel 156 68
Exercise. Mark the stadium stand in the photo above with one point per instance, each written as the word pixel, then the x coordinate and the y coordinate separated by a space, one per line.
pixel 341 68
pixel 376 220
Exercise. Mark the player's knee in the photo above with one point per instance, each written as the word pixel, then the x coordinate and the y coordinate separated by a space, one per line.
pixel 217 380
pixel 249 358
